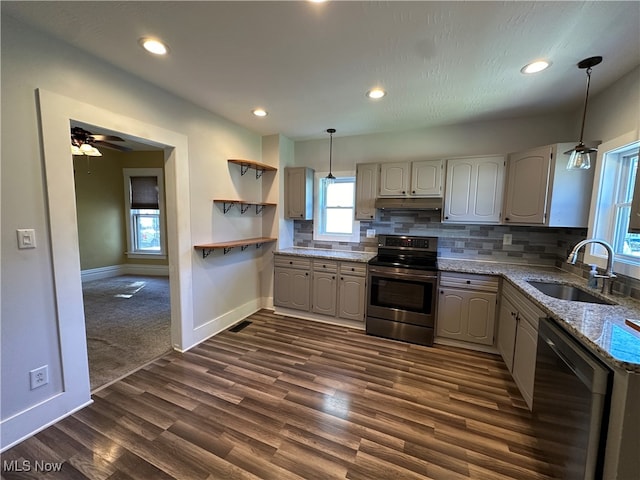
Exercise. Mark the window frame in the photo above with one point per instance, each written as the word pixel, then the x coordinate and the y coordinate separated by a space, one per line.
pixel 319 203
pixel 130 214
pixel 605 203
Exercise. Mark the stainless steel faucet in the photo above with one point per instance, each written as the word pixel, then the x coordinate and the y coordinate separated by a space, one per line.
pixel 609 273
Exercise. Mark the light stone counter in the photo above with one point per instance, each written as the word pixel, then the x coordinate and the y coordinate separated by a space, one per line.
pixel 339 255
pixel 601 328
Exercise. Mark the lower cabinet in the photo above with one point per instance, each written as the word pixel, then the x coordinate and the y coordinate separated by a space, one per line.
pixel 518 338
pixel 467 307
pixel 292 281
pixel 330 288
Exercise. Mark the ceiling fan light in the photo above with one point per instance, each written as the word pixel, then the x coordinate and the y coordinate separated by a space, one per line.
pixel 75 150
pixel 94 152
pixel 85 147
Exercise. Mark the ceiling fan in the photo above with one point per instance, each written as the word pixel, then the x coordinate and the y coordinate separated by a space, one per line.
pixel 84 142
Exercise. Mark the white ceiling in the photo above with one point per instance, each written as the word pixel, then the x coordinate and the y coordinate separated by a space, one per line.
pixel 310 64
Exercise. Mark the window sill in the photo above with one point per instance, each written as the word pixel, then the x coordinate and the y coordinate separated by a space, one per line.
pixel 148 256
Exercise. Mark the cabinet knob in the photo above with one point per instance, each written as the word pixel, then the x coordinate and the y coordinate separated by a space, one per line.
pixel 513 314
pixel 301 215
pixel 306 274
pixel 413 191
pixel 441 292
pixel 446 218
pixel 290 263
pixel 324 266
pixel 468 282
pixel 403 192
pixel 353 269
pixel 371 216
pixel 341 278
pixel 506 219
pixel 333 278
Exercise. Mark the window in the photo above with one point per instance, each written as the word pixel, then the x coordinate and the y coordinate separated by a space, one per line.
pixel 335 210
pixel 144 210
pixel 615 178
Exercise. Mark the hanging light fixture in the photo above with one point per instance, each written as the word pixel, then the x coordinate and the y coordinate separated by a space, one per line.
pixel 580 155
pixel 330 131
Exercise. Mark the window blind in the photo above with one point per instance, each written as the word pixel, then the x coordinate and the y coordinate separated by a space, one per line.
pixel 144 193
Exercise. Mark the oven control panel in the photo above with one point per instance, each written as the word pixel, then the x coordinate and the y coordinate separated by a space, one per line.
pixel 402 241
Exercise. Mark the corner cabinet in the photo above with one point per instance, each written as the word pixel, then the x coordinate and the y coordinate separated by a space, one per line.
pixel 411 179
pixel 366 190
pixel 325 287
pixel 541 191
pixel 473 191
pixel 298 192
pixel 467 308
pixel 243 206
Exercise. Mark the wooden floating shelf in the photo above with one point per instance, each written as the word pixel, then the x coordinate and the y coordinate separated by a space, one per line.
pixel 227 246
pixel 245 165
pixel 244 206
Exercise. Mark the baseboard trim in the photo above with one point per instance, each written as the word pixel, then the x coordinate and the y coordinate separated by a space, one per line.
pixel 466 345
pixel 124 269
pixel 314 317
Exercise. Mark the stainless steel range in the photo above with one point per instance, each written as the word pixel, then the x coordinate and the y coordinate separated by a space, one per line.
pixel 402 285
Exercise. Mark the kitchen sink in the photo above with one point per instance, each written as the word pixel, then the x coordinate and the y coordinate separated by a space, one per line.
pixel 564 291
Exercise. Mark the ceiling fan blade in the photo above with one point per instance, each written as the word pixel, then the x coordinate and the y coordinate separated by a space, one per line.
pixel 112 146
pixel 106 138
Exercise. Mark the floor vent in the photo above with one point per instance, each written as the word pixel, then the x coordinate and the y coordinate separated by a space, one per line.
pixel 242 325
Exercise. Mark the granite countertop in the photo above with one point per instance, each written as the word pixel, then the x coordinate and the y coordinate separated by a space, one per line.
pixel 601 328
pixel 344 255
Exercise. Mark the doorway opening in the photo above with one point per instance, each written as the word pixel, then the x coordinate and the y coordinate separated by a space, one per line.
pixel 121 220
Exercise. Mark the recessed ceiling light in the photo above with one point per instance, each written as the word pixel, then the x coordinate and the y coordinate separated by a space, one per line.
pixel 535 67
pixel 259 112
pixel 154 46
pixel 376 93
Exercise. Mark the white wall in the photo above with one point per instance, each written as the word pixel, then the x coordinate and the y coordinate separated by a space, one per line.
pixel 498 137
pixel 221 290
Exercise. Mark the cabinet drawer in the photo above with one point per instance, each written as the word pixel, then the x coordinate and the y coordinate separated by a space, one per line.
pixel 325 266
pixel 467 281
pixel 352 268
pixel 292 262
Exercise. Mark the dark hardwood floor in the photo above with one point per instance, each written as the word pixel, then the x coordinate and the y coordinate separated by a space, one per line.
pixel 287 399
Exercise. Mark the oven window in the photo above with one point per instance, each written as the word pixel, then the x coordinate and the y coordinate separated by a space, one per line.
pixel 409 295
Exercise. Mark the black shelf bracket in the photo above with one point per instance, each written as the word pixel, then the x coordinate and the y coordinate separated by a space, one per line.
pixel 244 168
pixel 259 173
pixel 243 247
pixel 227 206
pixel 259 209
pixel 206 252
pixel 258 245
pixel 244 207
pixel 227 250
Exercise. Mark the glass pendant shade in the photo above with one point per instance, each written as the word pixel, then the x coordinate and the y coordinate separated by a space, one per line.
pixel 579 161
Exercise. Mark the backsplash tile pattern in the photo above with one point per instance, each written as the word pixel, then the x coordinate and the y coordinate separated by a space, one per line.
pixel 530 245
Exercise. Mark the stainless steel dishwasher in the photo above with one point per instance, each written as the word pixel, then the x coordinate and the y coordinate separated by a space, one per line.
pixel 570 404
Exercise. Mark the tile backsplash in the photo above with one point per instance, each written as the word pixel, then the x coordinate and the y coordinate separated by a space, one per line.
pixel 529 245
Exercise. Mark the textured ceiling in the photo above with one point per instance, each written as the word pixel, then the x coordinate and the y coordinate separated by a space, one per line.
pixel 310 64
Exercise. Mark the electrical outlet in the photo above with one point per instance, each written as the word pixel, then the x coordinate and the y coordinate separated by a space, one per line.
pixel 39 376
pixel 506 239
pixel 371 233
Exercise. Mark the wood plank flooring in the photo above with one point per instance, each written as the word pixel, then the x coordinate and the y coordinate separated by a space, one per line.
pixel 291 399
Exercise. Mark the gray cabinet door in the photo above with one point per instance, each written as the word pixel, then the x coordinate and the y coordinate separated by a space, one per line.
pixel 524 359
pixel 366 190
pixel 527 186
pixel 291 288
pixel 352 297
pixel 324 293
pixel 299 193
pixel 394 179
pixel 426 178
pixel 507 325
pixel 466 315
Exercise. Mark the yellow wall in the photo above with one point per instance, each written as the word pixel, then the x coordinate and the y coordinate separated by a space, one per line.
pixel 100 206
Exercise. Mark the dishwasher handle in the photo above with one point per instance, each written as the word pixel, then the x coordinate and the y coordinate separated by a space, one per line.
pixel 591 372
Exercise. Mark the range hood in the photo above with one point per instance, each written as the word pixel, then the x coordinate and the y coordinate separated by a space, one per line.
pixel 409 203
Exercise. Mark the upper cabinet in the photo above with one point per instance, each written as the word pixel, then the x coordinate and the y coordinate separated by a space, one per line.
pixel 298 190
pixel 473 192
pixel 411 179
pixel 541 191
pixel 366 190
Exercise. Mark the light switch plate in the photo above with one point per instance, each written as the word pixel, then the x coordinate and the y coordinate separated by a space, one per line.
pixel 506 239
pixel 26 238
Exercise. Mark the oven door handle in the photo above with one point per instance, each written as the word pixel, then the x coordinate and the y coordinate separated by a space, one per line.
pixel 400 276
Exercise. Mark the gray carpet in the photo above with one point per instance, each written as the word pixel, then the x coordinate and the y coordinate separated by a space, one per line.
pixel 128 321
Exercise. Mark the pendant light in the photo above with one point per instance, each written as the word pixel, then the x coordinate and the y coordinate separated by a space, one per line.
pixel 330 131
pixel 580 155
